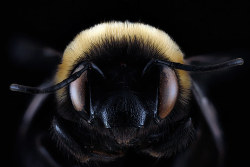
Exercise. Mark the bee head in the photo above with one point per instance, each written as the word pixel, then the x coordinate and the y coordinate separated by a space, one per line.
pixel 127 79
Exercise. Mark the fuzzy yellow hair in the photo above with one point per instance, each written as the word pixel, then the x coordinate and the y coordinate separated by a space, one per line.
pixel 84 41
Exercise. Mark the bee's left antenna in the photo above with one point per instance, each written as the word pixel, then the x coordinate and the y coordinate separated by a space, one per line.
pixel 51 89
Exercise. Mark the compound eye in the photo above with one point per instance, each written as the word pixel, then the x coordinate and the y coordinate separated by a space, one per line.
pixel 77 90
pixel 168 91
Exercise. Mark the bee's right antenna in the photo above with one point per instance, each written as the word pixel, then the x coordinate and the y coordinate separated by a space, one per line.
pixel 193 68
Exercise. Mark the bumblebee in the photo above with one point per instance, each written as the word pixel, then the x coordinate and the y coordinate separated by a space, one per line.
pixel 123 92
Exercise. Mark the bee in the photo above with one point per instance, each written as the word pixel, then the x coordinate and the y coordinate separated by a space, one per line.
pixel 123 92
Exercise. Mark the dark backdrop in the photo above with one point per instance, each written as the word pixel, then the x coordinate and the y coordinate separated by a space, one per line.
pixel 199 27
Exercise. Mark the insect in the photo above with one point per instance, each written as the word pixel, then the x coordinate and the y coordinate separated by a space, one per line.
pixel 123 90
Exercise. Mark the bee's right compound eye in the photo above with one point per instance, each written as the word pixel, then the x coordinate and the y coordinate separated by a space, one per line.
pixel 168 92
pixel 77 90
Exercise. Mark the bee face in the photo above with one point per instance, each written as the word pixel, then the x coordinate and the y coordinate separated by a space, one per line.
pixel 123 95
pixel 120 98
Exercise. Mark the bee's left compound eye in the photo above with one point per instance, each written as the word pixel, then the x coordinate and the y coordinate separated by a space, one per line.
pixel 168 92
pixel 77 90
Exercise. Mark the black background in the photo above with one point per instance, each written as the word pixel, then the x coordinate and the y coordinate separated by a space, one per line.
pixel 199 27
